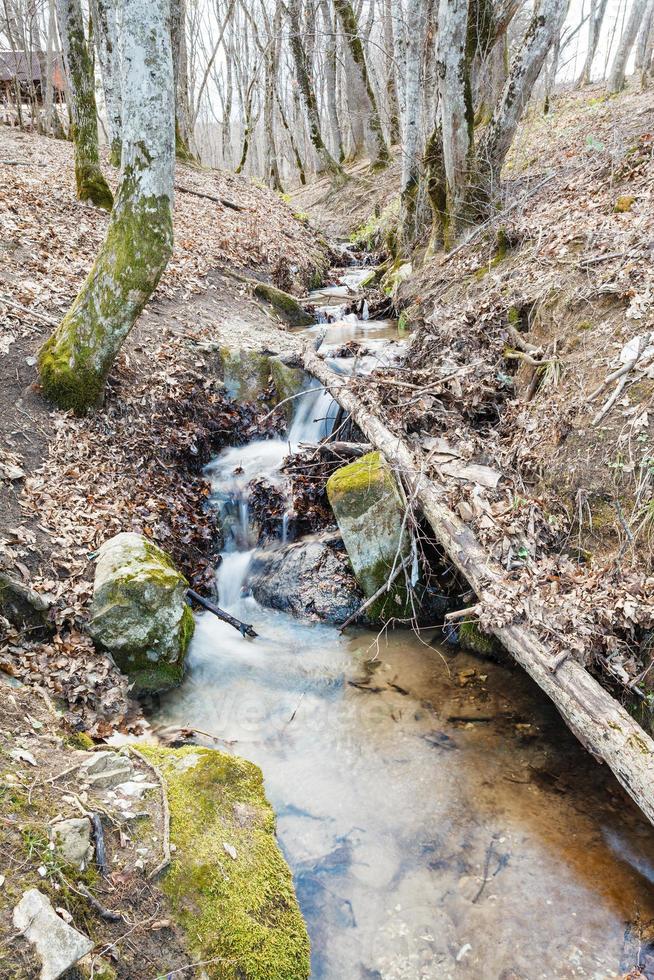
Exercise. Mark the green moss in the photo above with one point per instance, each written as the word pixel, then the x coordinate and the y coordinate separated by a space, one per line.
pixel 513 316
pixel 288 382
pixel 79 740
pixel 75 361
pixel 246 373
pixel 91 185
pixel 624 203
pixel 347 484
pixel 404 323
pixel 473 639
pixel 285 304
pixel 240 915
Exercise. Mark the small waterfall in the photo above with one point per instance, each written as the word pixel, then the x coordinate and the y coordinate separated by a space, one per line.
pixel 231 576
pixel 314 416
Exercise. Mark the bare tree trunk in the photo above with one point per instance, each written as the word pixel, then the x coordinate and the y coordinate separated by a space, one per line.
pixel 91 185
pixel 457 122
pixel 330 81
pixel 352 41
pixel 617 74
pixel 412 101
pixel 326 160
pixel 391 74
pixel 184 146
pixel 543 29
pixel 595 21
pixel 105 33
pixel 646 70
pixel 643 35
pixel 76 360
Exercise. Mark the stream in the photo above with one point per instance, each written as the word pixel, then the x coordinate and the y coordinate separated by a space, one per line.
pixel 439 819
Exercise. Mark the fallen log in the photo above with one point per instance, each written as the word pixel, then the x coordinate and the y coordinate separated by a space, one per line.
pixel 244 628
pixel 602 725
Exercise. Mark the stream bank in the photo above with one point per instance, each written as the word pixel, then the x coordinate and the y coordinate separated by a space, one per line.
pixel 432 807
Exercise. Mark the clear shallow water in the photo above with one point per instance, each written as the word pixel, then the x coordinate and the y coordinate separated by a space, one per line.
pixel 439 819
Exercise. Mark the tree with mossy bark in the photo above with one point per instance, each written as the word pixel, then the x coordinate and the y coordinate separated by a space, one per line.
pixel 462 172
pixel 105 35
pixel 350 25
pixel 75 361
pixel 327 163
pixel 91 185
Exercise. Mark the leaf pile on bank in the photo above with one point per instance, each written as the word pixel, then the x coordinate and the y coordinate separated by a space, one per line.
pixel 498 392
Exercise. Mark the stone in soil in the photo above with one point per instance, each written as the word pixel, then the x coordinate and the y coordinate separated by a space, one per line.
pixel 72 839
pixel 58 945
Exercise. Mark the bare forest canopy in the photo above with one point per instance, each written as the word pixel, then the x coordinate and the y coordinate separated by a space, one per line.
pixel 282 89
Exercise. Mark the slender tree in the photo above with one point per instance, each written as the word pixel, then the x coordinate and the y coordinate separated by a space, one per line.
pixel 75 361
pixel 326 160
pixel 91 185
pixel 105 34
pixel 618 68
pixel 350 25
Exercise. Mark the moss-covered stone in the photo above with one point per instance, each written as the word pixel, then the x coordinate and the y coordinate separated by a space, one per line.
pixel 246 373
pixel 288 382
pixel 370 509
pixel 229 886
pixel 473 639
pixel 624 203
pixel 395 276
pixel 284 304
pixel 139 612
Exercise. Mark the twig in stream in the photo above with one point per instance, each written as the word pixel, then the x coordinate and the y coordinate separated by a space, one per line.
pixel 489 851
pixel 163 864
pixel 245 629
pixel 100 852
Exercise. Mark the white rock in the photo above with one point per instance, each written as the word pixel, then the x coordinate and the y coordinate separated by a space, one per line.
pixel 104 770
pixel 72 838
pixel 58 945
pixel 133 790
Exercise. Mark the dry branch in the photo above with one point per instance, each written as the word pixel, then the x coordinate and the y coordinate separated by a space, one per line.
pixel 599 722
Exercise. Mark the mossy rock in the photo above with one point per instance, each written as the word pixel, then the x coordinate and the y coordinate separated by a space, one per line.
pixel 473 639
pixel 245 373
pixel 229 886
pixel 284 304
pixel 395 276
pixel 139 612
pixel 624 203
pixel 369 509
pixel 288 382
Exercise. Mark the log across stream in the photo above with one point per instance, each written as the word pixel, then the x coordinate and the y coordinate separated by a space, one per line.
pixel 439 818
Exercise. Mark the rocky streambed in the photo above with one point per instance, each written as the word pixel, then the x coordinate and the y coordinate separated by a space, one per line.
pixel 438 818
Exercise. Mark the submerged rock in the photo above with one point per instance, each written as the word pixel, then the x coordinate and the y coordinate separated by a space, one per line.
pixel 311 577
pixel 370 510
pixel 139 611
pixel 58 945
pixel 229 886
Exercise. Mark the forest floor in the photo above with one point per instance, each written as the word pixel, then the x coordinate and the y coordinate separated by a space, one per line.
pixel 68 484
pixel 518 338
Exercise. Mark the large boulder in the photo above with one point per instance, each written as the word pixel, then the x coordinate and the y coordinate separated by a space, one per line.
pixel 139 612
pixel 228 884
pixel 311 577
pixel 289 381
pixel 369 509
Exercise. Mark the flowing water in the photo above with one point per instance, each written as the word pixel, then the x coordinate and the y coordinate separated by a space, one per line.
pixel 439 819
